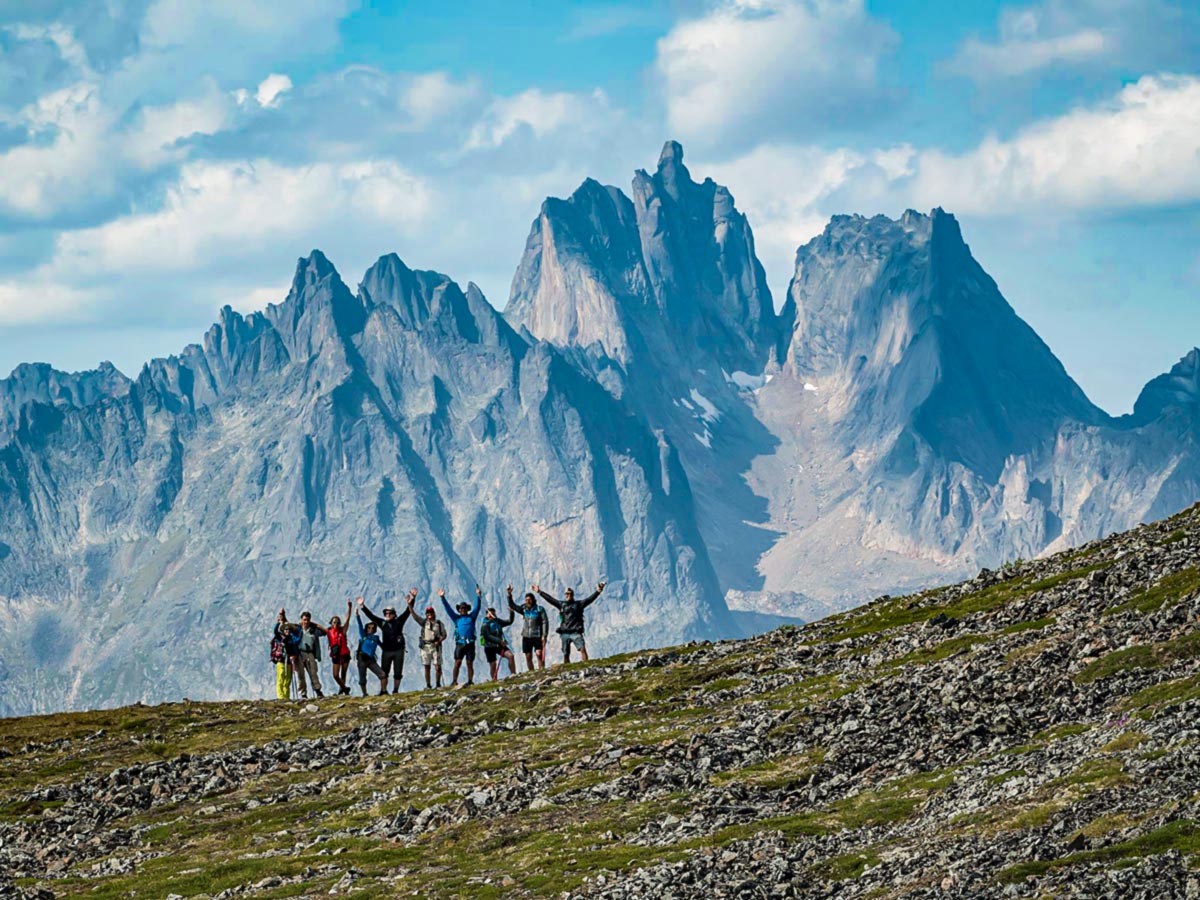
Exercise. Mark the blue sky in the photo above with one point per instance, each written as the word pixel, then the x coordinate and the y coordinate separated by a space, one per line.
pixel 161 158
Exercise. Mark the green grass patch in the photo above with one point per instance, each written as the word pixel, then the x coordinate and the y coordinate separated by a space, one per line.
pixel 1182 835
pixel 846 867
pixel 895 613
pixel 1142 656
pixel 1127 741
pixel 1167 591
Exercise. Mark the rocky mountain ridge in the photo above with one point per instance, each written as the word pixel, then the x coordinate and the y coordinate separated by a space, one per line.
pixel 638 413
pixel 1028 733
pixel 334 444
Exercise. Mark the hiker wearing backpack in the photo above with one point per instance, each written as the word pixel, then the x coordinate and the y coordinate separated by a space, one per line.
pixel 368 643
pixel 308 659
pixel 339 649
pixel 391 639
pixel 463 617
pixel 432 636
pixel 570 611
pixel 283 652
pixel 535 628
pixel 495 644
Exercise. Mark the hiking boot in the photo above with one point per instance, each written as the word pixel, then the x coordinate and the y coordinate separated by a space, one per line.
pixel 319 694
pixel 383 692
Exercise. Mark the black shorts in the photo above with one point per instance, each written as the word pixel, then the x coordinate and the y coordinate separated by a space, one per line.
pixel 494 653
pixel 531 645
pixel 392 661
pixel 464 651
pixel 339 655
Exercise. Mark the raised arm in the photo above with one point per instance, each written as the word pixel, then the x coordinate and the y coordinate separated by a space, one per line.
pixel 370 615
pixel 449 609
pixel 361 631
pixel 592 599
pixel 552 601
pixel 349 609
pixel 504 623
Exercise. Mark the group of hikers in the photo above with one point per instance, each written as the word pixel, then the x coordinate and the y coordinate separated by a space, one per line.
pixel 296 646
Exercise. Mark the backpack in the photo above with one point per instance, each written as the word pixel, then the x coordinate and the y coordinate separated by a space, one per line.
pixel 278 651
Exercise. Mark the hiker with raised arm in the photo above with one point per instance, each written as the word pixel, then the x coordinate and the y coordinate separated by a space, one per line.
pixel 535 628
pixel 495 643
pixel 463 617
pixel 339 649
pixel 308 659
pixel 391 641
pixel 368 644
pixel 570 611
pixel 432 636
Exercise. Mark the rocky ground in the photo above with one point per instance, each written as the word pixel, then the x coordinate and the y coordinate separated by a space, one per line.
pixel 1030 733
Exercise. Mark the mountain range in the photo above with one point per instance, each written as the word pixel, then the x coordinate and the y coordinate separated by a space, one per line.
pixel 640 412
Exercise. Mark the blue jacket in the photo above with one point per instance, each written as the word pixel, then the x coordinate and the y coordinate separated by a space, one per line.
pixel 367 643
pixel 464 623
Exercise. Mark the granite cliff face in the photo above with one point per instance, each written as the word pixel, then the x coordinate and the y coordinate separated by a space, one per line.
pixel 336 443
pixel 894 425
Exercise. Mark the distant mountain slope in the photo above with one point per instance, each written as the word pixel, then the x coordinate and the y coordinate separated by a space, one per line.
pixel 1030 733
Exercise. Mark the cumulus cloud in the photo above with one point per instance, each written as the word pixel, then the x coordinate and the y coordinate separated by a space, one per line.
pixel 1020 55
pixel 1142 147
pixel 271 88
pixel 1060 34
pixel 750 70
pixel 538 112
pixel 226 212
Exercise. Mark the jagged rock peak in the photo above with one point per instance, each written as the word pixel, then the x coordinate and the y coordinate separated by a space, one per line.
pixel 1178 389
pixel 672 154
pixel 311 270
pixel 671 266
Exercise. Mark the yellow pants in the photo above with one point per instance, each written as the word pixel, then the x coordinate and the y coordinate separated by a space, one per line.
pixel 283 681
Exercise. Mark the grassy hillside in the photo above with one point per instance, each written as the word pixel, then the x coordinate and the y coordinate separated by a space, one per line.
pixel 1031 733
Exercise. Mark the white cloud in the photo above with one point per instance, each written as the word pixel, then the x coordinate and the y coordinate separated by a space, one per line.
pixel 539 112
pixel 1134 35
pixel 432 96
pixel 1022 55
pixel 1140 148
pixel 271 89
pixel 750 70
pixel 161 128
pixel 41 177
pixel 231 211
pixel 25 301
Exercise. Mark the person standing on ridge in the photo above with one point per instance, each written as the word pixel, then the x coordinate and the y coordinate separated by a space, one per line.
pixel 283 654
pixel 391 639
pixel 571 615
pixel 495 644
pixel 368 643
pixel 535 629
pixel 463 617
pixel 339 649
pixel 432 635
pixel 308 660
